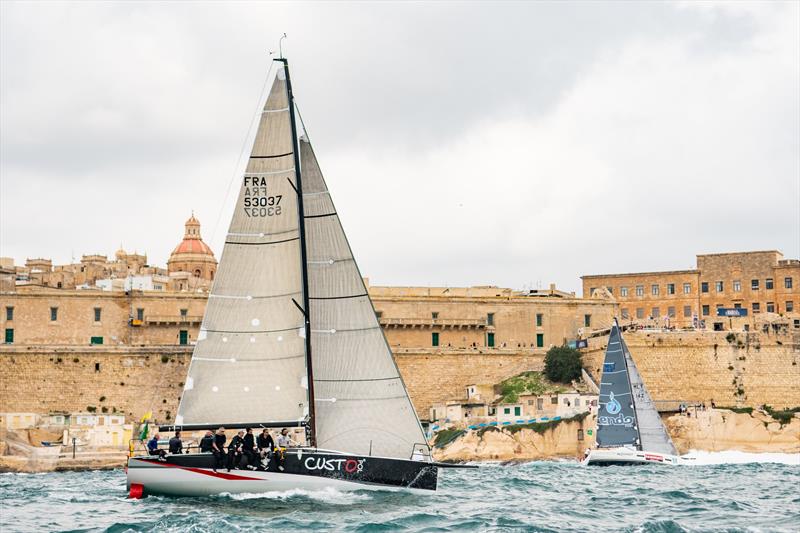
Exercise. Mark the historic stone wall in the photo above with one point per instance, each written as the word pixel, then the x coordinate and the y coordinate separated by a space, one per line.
pixel 733 369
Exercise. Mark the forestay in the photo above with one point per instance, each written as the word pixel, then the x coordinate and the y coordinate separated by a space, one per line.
pixel 616 418
pixel 362 406
pixel 249 362
pixel 652 433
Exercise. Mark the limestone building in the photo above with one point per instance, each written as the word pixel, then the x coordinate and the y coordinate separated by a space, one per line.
pixel 192 255
pixel 761 285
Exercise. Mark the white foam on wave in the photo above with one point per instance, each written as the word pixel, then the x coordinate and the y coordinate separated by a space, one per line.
pixel 700 457
pixel 326 495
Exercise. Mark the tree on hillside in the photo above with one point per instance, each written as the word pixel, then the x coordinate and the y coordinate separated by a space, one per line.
pixel 562 364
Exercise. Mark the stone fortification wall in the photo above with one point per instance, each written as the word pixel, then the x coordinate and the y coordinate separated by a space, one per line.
pixel 733 369
pixel 134 380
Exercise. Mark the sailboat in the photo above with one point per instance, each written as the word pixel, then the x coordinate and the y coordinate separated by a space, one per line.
pixel 629 428
pixel 290 339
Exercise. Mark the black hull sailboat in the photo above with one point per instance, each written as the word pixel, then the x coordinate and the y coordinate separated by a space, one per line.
pixel 290 339
pixel 629 428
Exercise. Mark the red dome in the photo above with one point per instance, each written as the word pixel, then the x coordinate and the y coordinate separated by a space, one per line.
pixel 192 246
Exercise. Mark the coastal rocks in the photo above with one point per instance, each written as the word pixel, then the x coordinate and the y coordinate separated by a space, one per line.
pixel 720 429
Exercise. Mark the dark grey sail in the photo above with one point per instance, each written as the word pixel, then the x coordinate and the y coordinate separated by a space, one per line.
pixel 652 433
pixel 616 417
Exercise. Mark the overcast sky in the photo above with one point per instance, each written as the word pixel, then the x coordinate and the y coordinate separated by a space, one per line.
pixel 465 144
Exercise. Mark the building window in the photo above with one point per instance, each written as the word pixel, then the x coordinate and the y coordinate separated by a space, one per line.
pixel 756 307
pixel 587 321
pixel 789 306
pixel 770 307
pixel 687 311
pixel 687 288
pixel 623 291
pixel 768 284
pixel 183 337
pixel 671 311
pixel 640 290
pixel 670 288
pixel 517 411
pixel 656 312
pixel 610 290
pixel 706 310
pixel 96 340
pixel 539 404
pixel 184 313
pixel 53 314
pixel 787 283
pixel 754 284
pixel 639 312
pixel 654 290
pixel 9 336
pixel 719 286
pixel 490 319
pixel 591 290
pixel 703 286
pixel 540 340
pixel 625 313
pixel 435 339
pixel 434 315
pixel 530 402
pixel 737 285
pixel 378 314
pixel 10 311
pixel 577 402
pixel 139 314
pixel 97 313
pixel 554 400
pixel 506 410
pixel 737 306
pixel 539 319
pixel 580 434
pixel 490 340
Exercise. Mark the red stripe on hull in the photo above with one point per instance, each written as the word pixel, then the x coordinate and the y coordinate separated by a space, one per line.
pixel 206 472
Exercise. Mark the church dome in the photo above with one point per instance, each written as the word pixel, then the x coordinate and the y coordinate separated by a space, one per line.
pixel 192 254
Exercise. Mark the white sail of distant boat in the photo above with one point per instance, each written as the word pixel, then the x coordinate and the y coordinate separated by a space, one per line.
pixel 629 427
pixel 290 338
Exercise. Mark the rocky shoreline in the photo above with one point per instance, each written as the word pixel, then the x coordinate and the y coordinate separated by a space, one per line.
pixel 713 430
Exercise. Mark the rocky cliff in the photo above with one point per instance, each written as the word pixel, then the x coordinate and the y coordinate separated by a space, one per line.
pixel 713 430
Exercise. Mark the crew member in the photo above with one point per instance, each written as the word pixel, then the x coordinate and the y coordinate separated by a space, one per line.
pixel 207 443
pixel 235 450
pixel 284 441
pixel 152 448
pixel 175 443
pixel 218 448
pixel 265 446
pixel 249 449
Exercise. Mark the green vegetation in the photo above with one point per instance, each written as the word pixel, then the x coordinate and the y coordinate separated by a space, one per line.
pixel 446 436
pixel 562 364
pixel 783 416
pixel 541 427
pixel 525 383
pixel 740 410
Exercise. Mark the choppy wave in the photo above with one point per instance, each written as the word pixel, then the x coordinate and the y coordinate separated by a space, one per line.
pixel 548 497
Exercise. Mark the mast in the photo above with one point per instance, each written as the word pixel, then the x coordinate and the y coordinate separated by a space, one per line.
pixel 628 374
pixel 306 310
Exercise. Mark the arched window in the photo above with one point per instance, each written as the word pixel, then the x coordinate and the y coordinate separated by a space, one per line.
pixel 197 272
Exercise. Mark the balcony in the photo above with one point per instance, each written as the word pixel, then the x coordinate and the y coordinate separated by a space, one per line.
pixel 172 320
pixel 427 323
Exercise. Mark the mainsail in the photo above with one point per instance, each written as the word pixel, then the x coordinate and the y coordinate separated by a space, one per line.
pixel 361 402
pixel 652 434
pixel 616 417
pixel 249 364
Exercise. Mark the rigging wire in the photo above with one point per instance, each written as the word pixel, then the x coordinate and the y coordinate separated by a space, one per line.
pixel 235 173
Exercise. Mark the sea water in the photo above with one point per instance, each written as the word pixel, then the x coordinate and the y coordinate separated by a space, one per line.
pixel 722 492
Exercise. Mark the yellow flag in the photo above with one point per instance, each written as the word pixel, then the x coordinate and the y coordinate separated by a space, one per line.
pixel 146 416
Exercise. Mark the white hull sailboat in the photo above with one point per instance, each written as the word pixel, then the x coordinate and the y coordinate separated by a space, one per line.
pixel 629 428
pixel 290 339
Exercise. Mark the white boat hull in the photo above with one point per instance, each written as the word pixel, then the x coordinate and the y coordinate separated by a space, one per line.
pixel 627 456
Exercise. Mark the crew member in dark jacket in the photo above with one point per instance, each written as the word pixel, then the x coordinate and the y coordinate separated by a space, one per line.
pixel 235 450
pixel 218 449
pixel 207 443
pixel 249 449
pixel 176 444
pixel 265 446
pixel 152 448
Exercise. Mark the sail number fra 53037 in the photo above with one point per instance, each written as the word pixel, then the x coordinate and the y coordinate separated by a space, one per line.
pixel 257 203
